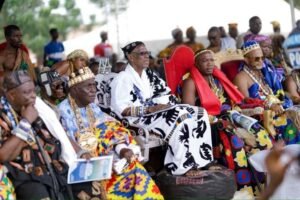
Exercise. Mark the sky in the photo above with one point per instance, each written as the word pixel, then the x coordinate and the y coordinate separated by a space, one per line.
pixel 153 20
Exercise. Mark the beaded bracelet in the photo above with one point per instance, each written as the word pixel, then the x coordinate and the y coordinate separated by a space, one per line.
pixel 137 111
pixel 23 131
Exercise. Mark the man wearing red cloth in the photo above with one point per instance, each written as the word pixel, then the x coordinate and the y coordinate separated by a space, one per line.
pixel 208 87
pixel 13 54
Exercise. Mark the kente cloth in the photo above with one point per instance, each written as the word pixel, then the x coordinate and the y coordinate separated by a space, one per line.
pixel 30 166
pixel 54 52
pixel 134 182
pixel 284 126
pixel 185 128
pixel 7 190
pixel 208 98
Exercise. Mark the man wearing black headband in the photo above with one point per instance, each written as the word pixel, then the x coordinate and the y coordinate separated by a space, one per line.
pixel 144 99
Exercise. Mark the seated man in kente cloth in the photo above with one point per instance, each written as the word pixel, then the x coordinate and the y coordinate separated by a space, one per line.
pixel 145 100
pixel 33 144
pixel 259 81
pixel 208 87
pixel 101 134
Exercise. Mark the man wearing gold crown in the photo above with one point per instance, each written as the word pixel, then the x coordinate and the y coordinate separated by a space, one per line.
pixel 259 81
pixel 144 99
pixel 100 134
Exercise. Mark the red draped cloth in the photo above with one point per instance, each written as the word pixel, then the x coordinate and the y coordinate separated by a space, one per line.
pixel 23 47
pixel 208 98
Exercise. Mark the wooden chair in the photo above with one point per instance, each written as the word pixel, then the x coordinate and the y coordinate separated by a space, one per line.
pixel 229 61
pixel 145 139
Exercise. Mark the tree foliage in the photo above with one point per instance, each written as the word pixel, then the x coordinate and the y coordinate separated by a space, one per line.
pixel 296 3
pixel 35 18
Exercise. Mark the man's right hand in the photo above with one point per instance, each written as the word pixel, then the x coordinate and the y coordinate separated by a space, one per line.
pixel 29 113
pixel 277 108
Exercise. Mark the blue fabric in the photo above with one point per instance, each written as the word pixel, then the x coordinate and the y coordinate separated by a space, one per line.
pixel 68 118
pixel 272 78
pixel 52 48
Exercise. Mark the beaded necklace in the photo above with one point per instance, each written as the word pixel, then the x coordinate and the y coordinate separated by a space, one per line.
pixel 265 88
pixel 79 120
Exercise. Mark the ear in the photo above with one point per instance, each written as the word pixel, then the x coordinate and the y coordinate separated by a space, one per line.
pixel 10 95
pixel 74 90
pixel 130 57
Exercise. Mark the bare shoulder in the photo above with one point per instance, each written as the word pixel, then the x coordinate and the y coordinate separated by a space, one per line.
pixel 241 76
pixel 189 82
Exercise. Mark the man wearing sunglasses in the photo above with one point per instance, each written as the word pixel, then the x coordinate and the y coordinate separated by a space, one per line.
pixel 144 99
pixel 259 81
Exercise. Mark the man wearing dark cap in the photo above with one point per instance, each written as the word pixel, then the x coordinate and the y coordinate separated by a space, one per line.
pixel 144 99
pixel 33 143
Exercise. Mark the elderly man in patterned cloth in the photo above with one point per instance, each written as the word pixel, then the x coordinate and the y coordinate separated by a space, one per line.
pixel 144 99
pixel 100 134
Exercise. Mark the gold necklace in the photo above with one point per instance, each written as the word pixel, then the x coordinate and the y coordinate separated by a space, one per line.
pixel 86 137
pixel 219 92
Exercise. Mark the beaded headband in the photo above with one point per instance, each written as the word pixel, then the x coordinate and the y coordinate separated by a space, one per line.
pixel 250 46
pixel 83 74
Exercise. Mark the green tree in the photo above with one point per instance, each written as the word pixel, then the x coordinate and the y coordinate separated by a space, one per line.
pixel 35 19
pixel 296 3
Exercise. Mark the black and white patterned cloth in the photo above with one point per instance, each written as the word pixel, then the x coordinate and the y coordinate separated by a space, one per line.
pixel 185 128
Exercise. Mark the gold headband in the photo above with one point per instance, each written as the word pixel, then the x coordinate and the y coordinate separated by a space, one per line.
pixel 202 52
pixel 83 75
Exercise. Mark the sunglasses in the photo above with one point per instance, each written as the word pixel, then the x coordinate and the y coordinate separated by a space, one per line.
pixel 256 59
pixel 142 53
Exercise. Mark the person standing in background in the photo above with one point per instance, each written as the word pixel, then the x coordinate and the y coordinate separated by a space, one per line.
pixel 54 50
